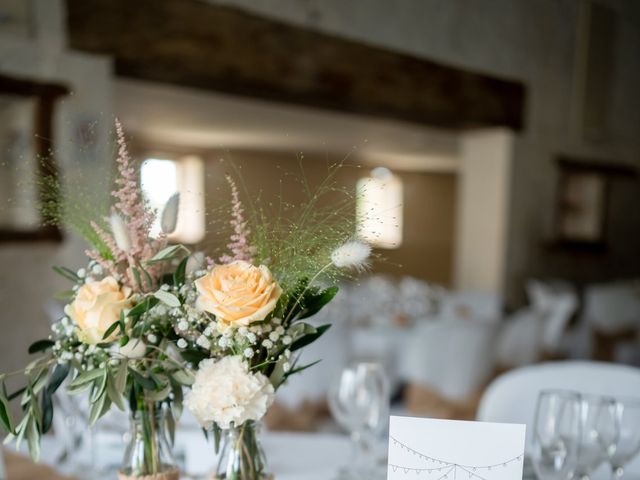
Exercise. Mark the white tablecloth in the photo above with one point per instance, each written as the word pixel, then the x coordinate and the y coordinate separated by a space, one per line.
pixel 291 456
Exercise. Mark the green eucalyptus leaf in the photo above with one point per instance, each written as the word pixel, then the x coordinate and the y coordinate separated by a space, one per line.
pixel 86 377
pixel 33 440
pixel 121 377
pixel 143 307
pixel 310 338
pixel 40 346
pixel 179 275
pixel 165 254
pixel 314 301
pixel 47 411
pixel 96 408
pixel 184 377
pixel 5 415
pixel 66 273
pixel 160 395
pixel 144 382
pixel 60 373
pixel 167 298
pixel 115 396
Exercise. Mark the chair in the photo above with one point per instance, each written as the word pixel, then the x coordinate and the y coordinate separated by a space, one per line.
pixel 520 342
pixel 512 397
pixel 557 302
pixel 453 357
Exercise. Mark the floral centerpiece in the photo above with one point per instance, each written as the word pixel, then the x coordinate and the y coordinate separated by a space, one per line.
pixel 245 317
pixel 145 320
pixel 115 340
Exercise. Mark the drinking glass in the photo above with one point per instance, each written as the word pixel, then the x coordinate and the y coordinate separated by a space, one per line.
pixel 600 431
pixel 628 445
pixel 359 401
pixel 556 434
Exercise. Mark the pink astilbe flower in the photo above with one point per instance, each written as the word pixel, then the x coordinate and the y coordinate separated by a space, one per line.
pixel 131 206
pixel 239 246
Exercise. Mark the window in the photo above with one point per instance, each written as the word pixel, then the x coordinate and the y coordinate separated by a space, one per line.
pixel 379 209
pixel 161 178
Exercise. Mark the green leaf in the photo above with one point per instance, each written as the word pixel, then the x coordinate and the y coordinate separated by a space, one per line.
pixel 183 377
pixel 167 298
pixel 310 338
pixel 115 396
pixel 5 415
pixel 193 356
pixel 66 295
pixel 99 385
pixel 180 273
pixel 40 346
pixel 136 276
pixel 59 374
pixel 85 378
pixel 121 377
pixel 159 395
pixel 47 411
pixel 111 329
pixel 66 273
pixel 293 371
pixel 165 254
pixel 33 439
pixel 313 302
pixel 96 408
pixel 143 381
pixel 278 375
pixel 143 307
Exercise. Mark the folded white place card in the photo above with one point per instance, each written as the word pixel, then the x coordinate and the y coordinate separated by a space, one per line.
pixel 432 449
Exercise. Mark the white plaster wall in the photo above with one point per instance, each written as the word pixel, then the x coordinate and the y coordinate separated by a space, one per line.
pixel 530 40
pixel 482 210
pixel 26 277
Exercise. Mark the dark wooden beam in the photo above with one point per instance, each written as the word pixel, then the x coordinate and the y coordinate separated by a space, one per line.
pixel 195 44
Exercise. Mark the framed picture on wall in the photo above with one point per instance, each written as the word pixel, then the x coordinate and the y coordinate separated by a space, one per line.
pixel 582 203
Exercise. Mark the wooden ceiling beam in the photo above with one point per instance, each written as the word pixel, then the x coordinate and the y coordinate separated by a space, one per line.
pixel 194 44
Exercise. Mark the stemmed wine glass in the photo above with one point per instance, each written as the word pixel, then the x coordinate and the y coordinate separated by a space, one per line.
pixel 556 434
pixel 600 432
pixel 628 445
pixel 359 401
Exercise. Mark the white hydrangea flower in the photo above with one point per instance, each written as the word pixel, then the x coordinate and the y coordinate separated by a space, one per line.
pixel 226 392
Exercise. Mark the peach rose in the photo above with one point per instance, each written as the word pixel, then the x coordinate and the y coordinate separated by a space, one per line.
pixel 238 293
pixel 96 307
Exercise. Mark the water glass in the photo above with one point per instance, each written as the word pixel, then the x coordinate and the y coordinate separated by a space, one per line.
pixel 359 401
pixel 628 444
pixel 600 431
pixel 556 435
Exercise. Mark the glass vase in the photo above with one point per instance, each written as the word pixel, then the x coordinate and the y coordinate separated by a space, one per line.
pixel 242 456
pixel 149 454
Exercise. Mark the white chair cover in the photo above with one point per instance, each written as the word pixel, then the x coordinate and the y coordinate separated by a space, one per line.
pixel 452 357
pixel 512 397
pixel 613 307
pixel 556 302
pixel 521 339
